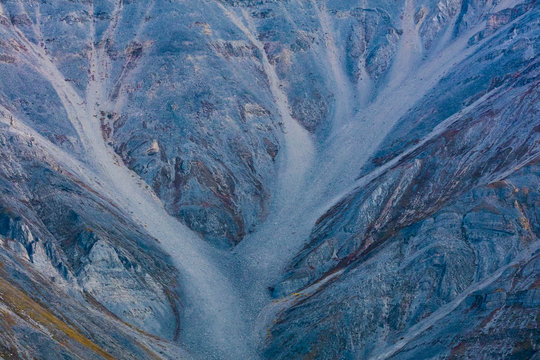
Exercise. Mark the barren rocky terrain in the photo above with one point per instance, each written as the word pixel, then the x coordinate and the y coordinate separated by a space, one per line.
pixel 269 179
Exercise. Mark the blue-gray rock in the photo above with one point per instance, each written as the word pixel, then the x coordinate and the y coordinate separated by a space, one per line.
pixel 226 179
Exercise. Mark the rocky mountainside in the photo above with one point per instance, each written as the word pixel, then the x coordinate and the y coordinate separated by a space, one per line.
pixel 280 179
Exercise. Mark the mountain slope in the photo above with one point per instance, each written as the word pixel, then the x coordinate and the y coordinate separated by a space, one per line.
pixel 281 179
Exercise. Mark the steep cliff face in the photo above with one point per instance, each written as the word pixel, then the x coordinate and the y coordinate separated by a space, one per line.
pixel 280 179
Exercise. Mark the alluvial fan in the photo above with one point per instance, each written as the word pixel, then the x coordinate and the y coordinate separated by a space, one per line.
pixel 266 179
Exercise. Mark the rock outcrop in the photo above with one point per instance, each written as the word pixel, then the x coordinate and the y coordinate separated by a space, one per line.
pixel 310 179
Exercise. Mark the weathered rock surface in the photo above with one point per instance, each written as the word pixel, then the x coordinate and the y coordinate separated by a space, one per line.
pixel 74 258
pixel 382 155
pixel 407 280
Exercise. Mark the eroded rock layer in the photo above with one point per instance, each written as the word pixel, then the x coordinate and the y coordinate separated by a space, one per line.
pixel 226 179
